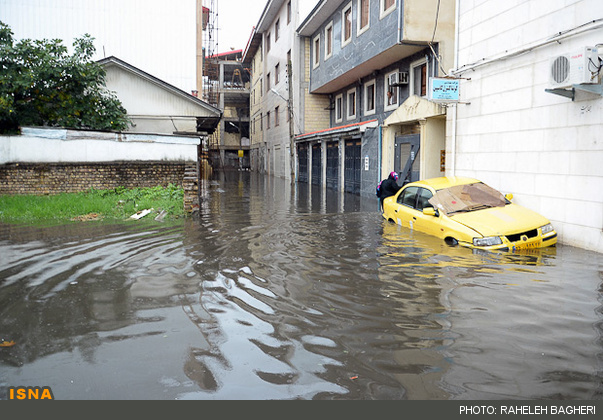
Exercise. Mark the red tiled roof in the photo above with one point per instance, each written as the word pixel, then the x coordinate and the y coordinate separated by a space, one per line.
pixel 335 129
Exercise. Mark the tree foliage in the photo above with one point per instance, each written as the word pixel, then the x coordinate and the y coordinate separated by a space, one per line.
pixel 41 84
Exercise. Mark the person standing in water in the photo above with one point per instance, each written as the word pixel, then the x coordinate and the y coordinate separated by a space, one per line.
pixel 388 187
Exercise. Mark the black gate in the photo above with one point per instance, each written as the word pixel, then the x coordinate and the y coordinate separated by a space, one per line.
pixel 316 164
pixel 333 164
pixel 352 171
pixel 407 158
pixel 302 162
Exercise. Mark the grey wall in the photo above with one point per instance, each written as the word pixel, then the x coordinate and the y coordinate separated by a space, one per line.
pixel 362 48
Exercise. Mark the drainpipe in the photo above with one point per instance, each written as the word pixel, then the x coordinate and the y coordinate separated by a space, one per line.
pixel 455 108
pixel 379 163
pixel 400 9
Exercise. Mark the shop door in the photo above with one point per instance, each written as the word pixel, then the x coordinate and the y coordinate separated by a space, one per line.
pixel 302 162
pixel 353 167
pixel 316 164
pixel 333 164
pixel 407 158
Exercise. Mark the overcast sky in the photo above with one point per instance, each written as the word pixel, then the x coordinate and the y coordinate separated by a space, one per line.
pixel 236 18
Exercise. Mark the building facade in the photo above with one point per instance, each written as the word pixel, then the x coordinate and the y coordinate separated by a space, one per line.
pixel 149 34
pixel 372 60
pixel 529 126
pixel 279 103
pixel 226 87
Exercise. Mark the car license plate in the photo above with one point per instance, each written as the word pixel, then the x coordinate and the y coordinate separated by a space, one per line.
pixel 529 245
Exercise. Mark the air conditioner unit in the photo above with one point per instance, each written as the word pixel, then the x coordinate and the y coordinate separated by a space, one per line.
pixel 398 78
pixel 574 68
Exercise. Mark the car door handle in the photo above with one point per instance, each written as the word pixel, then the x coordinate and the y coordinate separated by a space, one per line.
pixel 414 218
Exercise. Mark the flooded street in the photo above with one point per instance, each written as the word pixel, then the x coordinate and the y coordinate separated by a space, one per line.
pixel 288 292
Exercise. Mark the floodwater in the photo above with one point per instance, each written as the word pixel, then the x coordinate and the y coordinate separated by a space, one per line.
pixel 288 292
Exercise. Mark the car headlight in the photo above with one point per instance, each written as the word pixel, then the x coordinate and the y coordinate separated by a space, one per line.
pixel 546 229
pixel 487 241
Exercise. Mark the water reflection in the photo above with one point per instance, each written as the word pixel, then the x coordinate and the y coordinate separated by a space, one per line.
pixel 280 291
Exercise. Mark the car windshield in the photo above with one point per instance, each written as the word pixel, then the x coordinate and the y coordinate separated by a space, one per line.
pixel 465 198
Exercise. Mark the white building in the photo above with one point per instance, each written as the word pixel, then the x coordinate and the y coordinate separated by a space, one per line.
pixel 521 131
pixel 159 36
pixel 273 49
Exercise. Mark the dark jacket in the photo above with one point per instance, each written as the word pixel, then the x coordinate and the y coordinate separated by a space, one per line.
pixel 389 187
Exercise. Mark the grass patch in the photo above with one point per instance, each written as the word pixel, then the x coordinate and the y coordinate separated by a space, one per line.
pixel 118 204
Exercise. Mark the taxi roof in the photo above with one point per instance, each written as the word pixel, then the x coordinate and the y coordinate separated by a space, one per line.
pixel 444 182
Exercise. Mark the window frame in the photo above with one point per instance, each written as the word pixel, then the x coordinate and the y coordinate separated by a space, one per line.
pixel 339 108
pixel 345 41
pixel 371 83
pixel 386 105
pixel 347 101
pixel 288 12
pixel 383 11
pixel 329 41
pixel 316 51
pixel 360 30
pixel 413 70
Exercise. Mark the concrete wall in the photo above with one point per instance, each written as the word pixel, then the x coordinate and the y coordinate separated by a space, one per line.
pixel 60 145
pixel 544 148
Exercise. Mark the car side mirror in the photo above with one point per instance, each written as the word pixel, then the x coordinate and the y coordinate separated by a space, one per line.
pixel 430 211
pixel 509 196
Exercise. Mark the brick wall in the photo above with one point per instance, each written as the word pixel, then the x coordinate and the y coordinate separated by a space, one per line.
pixel 53 178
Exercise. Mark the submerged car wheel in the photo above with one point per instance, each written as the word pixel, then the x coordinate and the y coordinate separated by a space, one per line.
pixel 451 241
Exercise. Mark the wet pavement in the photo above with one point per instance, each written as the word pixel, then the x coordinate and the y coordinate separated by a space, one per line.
pixel 276 291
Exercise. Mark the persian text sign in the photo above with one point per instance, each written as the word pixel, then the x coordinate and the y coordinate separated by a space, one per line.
pixel 443 90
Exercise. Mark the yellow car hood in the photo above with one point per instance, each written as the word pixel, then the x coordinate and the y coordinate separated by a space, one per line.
pixel 501 220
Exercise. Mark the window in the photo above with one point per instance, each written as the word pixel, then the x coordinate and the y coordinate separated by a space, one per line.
pixel 346 30
pixel 276 122
pixel 277 76
pixel 363 15
pixel 423 199
pixel 418 77
pixel 329 40
pixel 268 42
pixel 408 197
pixel 277 29
pixel 339 108
pixel 261 122
pixel 267 120
pixel 369 98
pixel 316 52
pixel 386 7
pixel 415 198
pixel 351 104
pixel 261 87
pixel 268 82
pixel 391 91
pixel 289 12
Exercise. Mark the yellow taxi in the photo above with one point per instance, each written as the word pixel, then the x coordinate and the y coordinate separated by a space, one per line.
pixel 467 212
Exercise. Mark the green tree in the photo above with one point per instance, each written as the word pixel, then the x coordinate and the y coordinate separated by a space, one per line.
pixel 41 84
